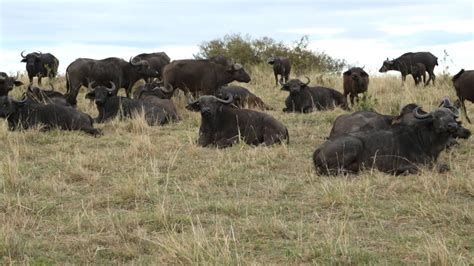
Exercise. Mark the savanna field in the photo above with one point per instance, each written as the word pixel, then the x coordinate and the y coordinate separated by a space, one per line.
pixel 150 195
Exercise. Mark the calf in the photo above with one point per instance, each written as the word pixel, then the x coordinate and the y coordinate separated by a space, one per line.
pixel 356 81
pixel 7 83
pixel 110 105
pixel 418 71
pixel 281 66
pixel 306 99
pixel 464 85
pixel 26 114
pixel 405 62
pixel 223 125
pixel 243 98
pixel 396 150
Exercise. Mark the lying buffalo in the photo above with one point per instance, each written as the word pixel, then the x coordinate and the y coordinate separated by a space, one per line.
pixel 40 65
pixel 110 106
pixel 405 62
pixel 397 150
pixel 45 96
pixel 281 66
pixel 222 125
pixel 7 83
pixel 26 114
pixel 307 99
pixel 122 73
pixel 356 81
pixel 202 76
pixel 464 85
pixel 242 97
pixel 155 95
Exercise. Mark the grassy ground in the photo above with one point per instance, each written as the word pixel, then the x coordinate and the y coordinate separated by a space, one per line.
pixel 149 195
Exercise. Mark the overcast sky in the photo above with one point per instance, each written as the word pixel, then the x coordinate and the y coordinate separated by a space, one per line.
pixel 361 32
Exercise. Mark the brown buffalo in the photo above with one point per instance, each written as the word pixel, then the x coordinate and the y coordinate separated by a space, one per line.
pixel 356 81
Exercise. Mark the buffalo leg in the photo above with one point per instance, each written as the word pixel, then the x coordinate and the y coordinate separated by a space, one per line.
pixel 463 106
pixel 404 77
pixel 352 99
pixel 276 79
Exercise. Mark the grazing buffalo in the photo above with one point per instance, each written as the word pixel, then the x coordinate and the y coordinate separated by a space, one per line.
pixel 242 97
pixel 397 150
pixel 405 62
pixel 307 99
pixel 222 125
pixel 464 84
pixel 356 81
pixel 157 61
pixel 281 66
pixel 26 114
pixel 202 76
pixel 40 65
pixel 418 71
pixel 110 105
pixel 7 83
pixel 155 95
pixel 38 95
pixel 83 70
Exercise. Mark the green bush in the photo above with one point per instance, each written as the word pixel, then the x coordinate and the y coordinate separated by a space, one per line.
pixel 248 51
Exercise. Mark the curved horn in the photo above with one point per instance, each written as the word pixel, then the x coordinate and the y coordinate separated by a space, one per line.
pixel 113 87
pixel 2 78
pixel 91 85
pixel 308 80
pixel 237 66
pixel 132 61
pixel 167 90
pixel 416 113
pixel 445 103
pixel 22 54
pixel 189 102
pixel 22 101
pixel 230 98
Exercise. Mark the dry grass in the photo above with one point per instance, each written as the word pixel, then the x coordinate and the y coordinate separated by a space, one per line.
pixel 149 195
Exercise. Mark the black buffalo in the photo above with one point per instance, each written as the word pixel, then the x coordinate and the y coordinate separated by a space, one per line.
pixel 156 95
pixel 222 125
pixel 122 73
pixel 242 97
pixel 7 83
pixel 39 95
pixel 110 106
pixel 281 66
pixel 157 61
pixel 307 99
pixel 405 62
pixel 397 150
pixel 202 76
pixel 40 65
pixel 464 85
pixel 356 81
pixel 26 114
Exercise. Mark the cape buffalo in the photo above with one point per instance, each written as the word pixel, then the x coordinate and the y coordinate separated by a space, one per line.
pixel 242 97
pixel 281 66
pixel 156 95
pixel 122 73
pixel 405 62
pixel 45 96
pixel 356 81
pixel 201 76
pixel 222 125
pixel 464 84
pixel 7 83
pixel 157 61
pixel 40 65
pixel 110 105
pixel 307 99
pixel 418 71
pixel 26 114
pixel 397 150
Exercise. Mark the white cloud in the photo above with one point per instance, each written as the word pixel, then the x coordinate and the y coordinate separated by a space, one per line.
pixel 453 26
pixel 314 30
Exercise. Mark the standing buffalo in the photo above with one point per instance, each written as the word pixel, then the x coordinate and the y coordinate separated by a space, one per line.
pixel 26 114
pixel 157 61
pixel 396 150
pixel 223 125
pixel 418 71
pixel 281 66
pixel 242 97
pixel 307 99
pixel 202 76
pixel 7 83
pixel 464 84
pixel 122 73
pixel 405 62
pixel 356 81
pixel 40 65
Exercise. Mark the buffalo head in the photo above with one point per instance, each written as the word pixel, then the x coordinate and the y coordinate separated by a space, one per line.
pixel 31 59
pixel 208 105
pixel 7 83
pixel 143 67
pixel 358 75
pixel 387 65
pixel 238 73
pixel 294 86
pixel 156 89
pixel 9 106
pixel 443 119
pixel 100 93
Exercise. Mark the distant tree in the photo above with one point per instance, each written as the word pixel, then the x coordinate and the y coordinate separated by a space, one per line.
pixel 248 51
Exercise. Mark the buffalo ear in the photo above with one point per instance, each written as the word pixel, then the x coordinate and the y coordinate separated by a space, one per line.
pixel 17 83
pixel 364 74
pixel 90 95
pixel 347 73
pixel 194 106
pixel 23 60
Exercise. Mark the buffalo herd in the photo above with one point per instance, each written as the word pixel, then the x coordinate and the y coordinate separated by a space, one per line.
pixel 395 144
